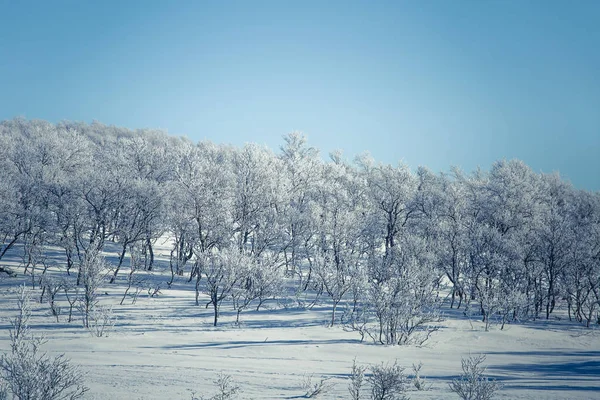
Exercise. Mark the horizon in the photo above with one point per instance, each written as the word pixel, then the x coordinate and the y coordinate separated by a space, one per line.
pixel 432 84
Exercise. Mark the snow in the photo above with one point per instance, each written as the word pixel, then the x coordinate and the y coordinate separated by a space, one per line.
pixel 165 347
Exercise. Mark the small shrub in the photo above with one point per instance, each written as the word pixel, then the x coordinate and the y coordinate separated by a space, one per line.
pixel 101 321
pixel 50 288
pixel 315 389
pixel 357 377
pixel 227 389
pixel 473 385
pixel 388 382
pixel 28 373
pixel 418 381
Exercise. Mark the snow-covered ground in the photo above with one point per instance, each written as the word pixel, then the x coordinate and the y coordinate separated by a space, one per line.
pixel 165 347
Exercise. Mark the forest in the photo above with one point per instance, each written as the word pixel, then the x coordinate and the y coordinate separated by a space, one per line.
pixel 387 250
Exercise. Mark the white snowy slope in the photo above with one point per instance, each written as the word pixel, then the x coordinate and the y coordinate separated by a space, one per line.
pixel 165 347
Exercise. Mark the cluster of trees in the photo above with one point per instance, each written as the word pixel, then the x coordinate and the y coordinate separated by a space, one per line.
pixel 379 242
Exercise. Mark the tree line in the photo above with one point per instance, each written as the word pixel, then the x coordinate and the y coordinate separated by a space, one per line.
pixel 379 243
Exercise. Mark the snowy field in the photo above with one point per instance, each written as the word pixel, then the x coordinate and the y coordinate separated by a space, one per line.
pixel 165 347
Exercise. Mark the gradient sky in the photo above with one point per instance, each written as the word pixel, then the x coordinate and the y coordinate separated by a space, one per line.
pixel 433 83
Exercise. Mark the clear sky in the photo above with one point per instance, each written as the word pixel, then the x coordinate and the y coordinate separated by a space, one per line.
pixel 434 83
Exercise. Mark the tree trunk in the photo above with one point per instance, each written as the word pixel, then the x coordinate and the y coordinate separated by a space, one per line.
pixel 335 303
pixel 151 251
pixel 121 257
pixel 198 277
pixel 9 245
pixel 216 310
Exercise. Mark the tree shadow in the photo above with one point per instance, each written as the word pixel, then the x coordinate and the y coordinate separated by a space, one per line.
pixel 577 371
pixel 238 344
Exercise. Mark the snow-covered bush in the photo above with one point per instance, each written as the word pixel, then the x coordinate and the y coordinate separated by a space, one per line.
pixel 227 389
pixel 101 321
pixel 419 382
pixel 93 272
pixel 357 380
pixel 314 389
pixel 28 373
pixel 401 305
pixel 473 384
pixel 388 382
pixel 50 288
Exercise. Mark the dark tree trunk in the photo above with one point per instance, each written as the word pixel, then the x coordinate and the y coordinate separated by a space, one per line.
pixel 121 257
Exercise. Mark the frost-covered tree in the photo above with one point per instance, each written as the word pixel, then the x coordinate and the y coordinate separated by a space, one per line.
pixel 93 272
pixel 201 199
pixel 553 238
pixel 391 192
pixel 497 219
pixel 257 198
pixel 449 221
pixel 301 163
pixel 337 252
pixel 260 279
pixel 137 219
pixel 223 269
pixel 581 279
pixel 23 204
pixel 401 305
pixel 148 171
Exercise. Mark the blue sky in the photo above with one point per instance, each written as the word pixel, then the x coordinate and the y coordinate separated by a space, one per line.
pixel 434 83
